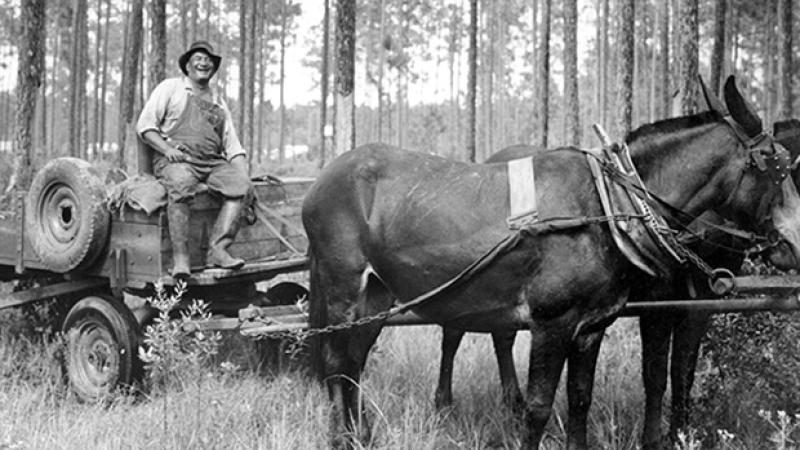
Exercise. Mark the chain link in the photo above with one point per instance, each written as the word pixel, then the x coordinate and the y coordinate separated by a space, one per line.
pixel 298 339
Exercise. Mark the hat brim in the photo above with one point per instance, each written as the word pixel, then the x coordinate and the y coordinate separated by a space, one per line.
pixel 184 58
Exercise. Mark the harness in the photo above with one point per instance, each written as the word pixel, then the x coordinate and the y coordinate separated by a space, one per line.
pixel 764 156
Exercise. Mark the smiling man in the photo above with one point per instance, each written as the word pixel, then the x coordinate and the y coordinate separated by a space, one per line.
pixel 190 128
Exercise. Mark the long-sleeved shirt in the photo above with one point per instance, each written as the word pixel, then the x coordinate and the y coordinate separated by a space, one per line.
pixel 165 105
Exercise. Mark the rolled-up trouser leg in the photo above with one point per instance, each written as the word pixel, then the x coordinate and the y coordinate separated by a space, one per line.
pixel 224 232
pixel 178 216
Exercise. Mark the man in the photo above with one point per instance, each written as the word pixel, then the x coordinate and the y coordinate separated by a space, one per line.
pixel 191 130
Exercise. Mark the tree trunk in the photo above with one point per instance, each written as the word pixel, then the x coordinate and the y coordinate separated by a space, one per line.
pixel 242 62
pixel 543 101
pixel 77 74
pixel 572 126
pixel 323 109
pixel 96 113
pixel 689 56
pixel 472 80
pixel 262 62
pixel 718 52
pixel 381 64
pixel 606 51
pixel 30 70
pixel 184 25
pixel 626 62
pixel 130 74
pixel 250 79
pixel 785 63
pixel 282 130
pixel 103 83
pixel 769 69
pixel 663 73
pixel 344 82
pixel 158 42
pixel 53 85
pixel 653 86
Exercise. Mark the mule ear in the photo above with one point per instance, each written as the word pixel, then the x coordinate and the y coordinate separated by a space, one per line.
pixel 712 101
pixel 741 110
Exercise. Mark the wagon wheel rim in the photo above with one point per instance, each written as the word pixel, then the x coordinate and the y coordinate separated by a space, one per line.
pixel 59 206
pixel 94 359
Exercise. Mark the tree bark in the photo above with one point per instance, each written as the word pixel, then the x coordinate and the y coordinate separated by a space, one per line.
pixel 282 131
pixel 769 69
pixel 689 56
pixel 242 62
pixel 104 79
pixel 30 70
pixel 77 74
pixel 572 131
pixel 718 52
pixel 262 62
pixel 184 24
pixel 250 79
pixel 323 109
pixel 663 73
pixel 158 42
pixel 472 84
pixel 785 62
pixel 543 101
pixel 344 82
pixel 96 113
pixel 130 75
pixel 626 62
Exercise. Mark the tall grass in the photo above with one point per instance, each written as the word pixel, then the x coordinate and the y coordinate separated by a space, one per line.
pixel 233 404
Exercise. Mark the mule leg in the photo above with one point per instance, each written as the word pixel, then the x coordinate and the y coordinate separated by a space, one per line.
pixel 342 290
pixel 503 349
pixel 655 330
pixel 580 381
pixel 451 339
pixel 685 348
pixel 548 352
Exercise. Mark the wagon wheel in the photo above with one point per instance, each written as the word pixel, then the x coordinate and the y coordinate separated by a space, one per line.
pixel 273 352
pixel 66 216
pixel 286 293
pixel 102 342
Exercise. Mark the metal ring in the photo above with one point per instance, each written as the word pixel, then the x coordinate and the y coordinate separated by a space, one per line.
pixel 721 281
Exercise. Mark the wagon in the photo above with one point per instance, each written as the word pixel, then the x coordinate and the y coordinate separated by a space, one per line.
pixel 100 256
pixel 101 259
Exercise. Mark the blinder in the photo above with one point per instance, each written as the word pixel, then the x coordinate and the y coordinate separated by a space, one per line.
pixel 768 157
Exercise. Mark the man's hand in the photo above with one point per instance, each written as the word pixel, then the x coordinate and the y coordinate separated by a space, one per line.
pixel 175 154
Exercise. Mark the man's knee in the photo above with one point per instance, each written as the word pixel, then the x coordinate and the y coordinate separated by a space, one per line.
pixel 179 180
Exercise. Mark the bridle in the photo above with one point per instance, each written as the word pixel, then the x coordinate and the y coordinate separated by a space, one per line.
pixel 767 157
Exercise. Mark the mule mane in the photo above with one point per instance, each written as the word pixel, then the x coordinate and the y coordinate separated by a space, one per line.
pixel 672 125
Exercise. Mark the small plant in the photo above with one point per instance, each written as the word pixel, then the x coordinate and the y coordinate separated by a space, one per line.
pixel 785 429
pixel 176 347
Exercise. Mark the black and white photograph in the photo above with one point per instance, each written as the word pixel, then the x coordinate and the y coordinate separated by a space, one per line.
pixel 400 224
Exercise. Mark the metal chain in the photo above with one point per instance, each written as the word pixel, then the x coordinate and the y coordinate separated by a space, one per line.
pixel 685 252
pixel 299 338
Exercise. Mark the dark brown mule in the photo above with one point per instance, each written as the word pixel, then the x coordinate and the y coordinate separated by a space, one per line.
pixel 683 329
pixel 386 224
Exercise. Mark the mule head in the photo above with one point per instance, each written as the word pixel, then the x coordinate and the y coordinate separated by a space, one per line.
pixel 763 195
pixel 787 134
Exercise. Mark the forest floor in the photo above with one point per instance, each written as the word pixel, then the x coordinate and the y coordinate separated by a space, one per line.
pixel 232 403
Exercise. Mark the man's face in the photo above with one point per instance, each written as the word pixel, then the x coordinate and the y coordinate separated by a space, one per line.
pixel 200 67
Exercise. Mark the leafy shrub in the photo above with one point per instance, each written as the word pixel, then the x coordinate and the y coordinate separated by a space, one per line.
pixel 175 348
pixel 753 370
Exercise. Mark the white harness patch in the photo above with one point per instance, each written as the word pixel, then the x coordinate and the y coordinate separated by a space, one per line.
pixel 521 187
